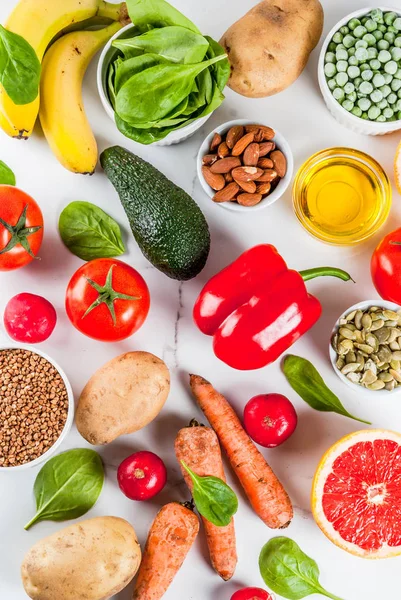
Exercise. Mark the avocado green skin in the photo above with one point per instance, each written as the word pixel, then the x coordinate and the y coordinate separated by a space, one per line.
pixel 168 225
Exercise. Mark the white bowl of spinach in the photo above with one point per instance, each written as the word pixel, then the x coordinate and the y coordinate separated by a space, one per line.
pixel 159 78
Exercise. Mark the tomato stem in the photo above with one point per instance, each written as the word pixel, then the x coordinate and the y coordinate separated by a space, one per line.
pixel 19 233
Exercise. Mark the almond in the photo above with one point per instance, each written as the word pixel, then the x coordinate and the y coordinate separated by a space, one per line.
pixel 223 150
pixel 248 199
pixel 243 143
pixel 265 148
pixel 251 155
pixel 267 133
pixel 279 162
pixel 225 165
pixel 227 193
pixel 248 186
pixel 216 182
pixel 209 159
pixel 267 176
pixel 246 173
pixel 216 141
pixel 263 188
pixel 265 163
pixel 234 134
pixel 228 177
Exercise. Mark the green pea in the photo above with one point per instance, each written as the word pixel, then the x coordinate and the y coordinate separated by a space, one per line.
pixel 342 79
pixel 351 51
pixel 361 44
pixel 392 98
pixel 338 94
pixel 396 85
pixel 362 54
pixel 397 42
pixel 392 29
pixel 353 61
pixel 373 113
pixel 372 53
pixel 399 94
pixel 338 37
pixel 352 96
pixel 397 24
pixel 387 77
pixel 349 88
pixel 364 103
pixel 348 105
pixel 375 64
pixel 367 75
pixel 391 67
pixel 344 30
pixel 342 66
pixel 396 53
pixel 342 54
pixel 369 39
pixel 360 31
pixel 383 104
pixel 381 119
pixel 330 70
pixel 385 90
pixel 389 37
pixel 397 105
pixel 332 47
pixel 371 25
pixel 383 45
pixel 388 113
pixel 364 19
pixel 365 116
pixel 358 81
pixel 377 15
pixel 398 74
pixel 390 17
pixel 366 87
pixel 378 34
pixel 376 96
pixel 393 118
pixel 353 72
pixel 353 23
pixel 349 41
pixel 382 28
pixel 364 67
pixel 384 56
pixel 332 83
pixel 399 115
pixel 378 80
pixel 356 111
pixel 330 57
pixel 340 47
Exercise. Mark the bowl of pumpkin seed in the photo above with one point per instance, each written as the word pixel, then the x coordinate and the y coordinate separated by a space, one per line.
pixel 365 348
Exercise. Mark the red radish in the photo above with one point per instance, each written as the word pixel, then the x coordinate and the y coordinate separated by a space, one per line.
pixel 251 593
pixel 29 318
pixel 270 419
pixel 142 475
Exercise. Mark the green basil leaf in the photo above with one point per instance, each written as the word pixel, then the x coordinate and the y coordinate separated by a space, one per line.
pixel 213 498
pixel 68 486
pixel 222 69
pixel 147 14
pixel 89 232
pixel 308 383
pixel 176 44
pixel 155 92
pixel 7 177
pixel 19 68
pixel 288 571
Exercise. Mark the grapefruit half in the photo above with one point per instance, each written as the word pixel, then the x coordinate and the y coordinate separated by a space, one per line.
pixel 356 493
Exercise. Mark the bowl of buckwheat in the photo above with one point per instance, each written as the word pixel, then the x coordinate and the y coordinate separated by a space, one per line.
pixel 365 348
pixel 36 407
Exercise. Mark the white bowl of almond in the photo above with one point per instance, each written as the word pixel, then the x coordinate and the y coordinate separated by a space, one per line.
pixel 243 165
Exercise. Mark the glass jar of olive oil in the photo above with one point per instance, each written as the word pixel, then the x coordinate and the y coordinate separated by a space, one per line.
pixel 341 196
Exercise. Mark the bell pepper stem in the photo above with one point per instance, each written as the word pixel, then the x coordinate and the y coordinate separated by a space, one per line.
pixel 325 272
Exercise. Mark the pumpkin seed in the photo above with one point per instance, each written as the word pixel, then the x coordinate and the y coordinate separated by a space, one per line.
pixel 395 374
pixel 334 342
pixel 394 346
pixel 396 355
pixel 340 362
pixel 354 377
pixel 360 336
pixel 390 314
pixel 350 357
pixel 386 377
pixel 368 377
pixel 384 354
pixel 376 385
pixel 358 319
pixel 371 366
pixel 350 368
pixel 378 324
pixel 372 341
pixel 345 346
pixel 395 364
pixel 382 335
pixel 351 315
pixel 366 321
pixel 365 348
pixel 343 322
pixel 391 323
pixel 374 308
pixel 390 385
pixel 393 335
pixel 347 333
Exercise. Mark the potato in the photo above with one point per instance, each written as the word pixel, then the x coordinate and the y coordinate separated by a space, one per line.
pixel 123 396
pixel 269 47
pixel 91 560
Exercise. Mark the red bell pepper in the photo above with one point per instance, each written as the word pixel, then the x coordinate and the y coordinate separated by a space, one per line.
pixel 256 308
pixel 385 267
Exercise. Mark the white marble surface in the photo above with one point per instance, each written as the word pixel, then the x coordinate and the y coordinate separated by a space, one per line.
pixel 300 114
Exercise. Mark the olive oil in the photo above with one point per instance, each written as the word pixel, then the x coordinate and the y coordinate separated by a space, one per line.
pixel 342 196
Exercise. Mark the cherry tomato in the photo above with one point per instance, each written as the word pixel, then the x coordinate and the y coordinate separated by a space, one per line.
pixel 142 475
pixel 21 228
pixel 29 318
pixel 385 267
pixel 107 300
pixel 251 593
pixel 270 419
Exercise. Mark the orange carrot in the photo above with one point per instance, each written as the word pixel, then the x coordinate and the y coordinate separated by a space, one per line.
pixel 170 538
pixel 199 448
pixel 266 494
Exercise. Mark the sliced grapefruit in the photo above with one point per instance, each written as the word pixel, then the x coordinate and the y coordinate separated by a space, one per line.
pixel 397 168
pixel 356 493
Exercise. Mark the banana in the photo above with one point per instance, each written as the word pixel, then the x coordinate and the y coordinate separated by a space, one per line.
pixel 61 113
pixel 39 21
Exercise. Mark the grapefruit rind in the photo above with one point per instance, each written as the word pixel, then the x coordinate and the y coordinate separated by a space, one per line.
pixel 324 469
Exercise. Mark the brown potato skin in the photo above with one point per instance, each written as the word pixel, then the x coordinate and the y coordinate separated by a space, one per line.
pixel 90 560
pixel 123 396
pixel 269 47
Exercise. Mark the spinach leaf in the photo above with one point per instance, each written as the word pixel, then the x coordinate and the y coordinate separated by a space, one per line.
pixel 288 571
pixel 19 68
pixel 68 486
pixel 308 383
pixel 221 70
pixel 147 14
pixel 127 68
pixel 7 177
pixel 89 232
pixel 213 498
pixel 153 93
pixel 176 44
pixel 146 136
pixel 111 75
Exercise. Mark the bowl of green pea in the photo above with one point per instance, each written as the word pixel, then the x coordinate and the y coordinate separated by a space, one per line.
pixel 360 71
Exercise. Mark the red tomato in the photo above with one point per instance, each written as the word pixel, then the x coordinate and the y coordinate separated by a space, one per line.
pixel 107 300
pixel 142 475
pixel 21 228
pixel 385 267
pixel 251 593
pixel 29 318
pixel 270 419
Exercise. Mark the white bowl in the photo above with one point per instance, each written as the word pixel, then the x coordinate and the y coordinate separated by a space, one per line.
pixel 281 144
pixel 333 355
pixel 339 113
pixel 179 135
pixel 70 414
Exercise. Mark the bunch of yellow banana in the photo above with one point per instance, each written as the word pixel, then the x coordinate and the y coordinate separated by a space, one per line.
pixel 59 103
